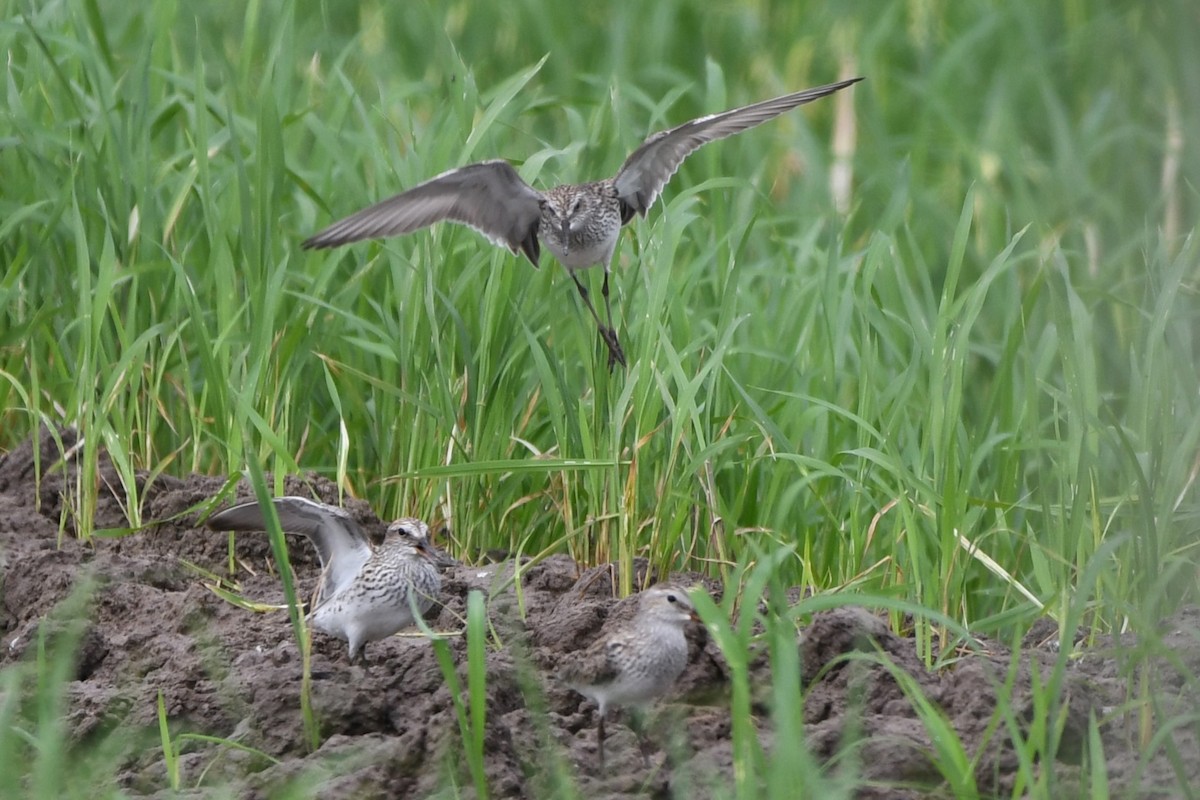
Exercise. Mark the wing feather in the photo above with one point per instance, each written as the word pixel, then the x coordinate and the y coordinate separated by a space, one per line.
pixel 489 197
pixel 643 175
pixel 341 545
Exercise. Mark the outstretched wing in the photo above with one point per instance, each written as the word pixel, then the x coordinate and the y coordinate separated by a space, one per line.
pixel 341 545
pixel 489 196
pixel 643 175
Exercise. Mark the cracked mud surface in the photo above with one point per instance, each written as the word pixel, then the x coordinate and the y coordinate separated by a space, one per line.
pixel 389 729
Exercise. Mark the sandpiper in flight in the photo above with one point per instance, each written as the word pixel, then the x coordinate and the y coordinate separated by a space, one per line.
pixel 579 223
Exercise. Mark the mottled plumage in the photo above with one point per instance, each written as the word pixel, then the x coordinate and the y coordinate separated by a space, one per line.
pixel 579 223
pixel 366 593
pixel 639 661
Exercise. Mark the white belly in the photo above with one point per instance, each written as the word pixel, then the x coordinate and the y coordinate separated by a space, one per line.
pixel 381 617
pixel 580 254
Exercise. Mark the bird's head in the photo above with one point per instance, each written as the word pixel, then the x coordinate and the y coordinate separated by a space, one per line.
pixel 565 210
pixel 670 604
pixel 414 533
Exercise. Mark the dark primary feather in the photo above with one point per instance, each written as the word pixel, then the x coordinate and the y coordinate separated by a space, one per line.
pixel 341 545
pixel 648 168
pixel 489 196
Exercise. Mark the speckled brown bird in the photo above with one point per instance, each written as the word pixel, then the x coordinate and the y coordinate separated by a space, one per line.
pixel 637 662
pixel 366 593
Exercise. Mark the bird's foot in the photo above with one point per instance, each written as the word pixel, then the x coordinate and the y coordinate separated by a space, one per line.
pixel 359 660
pixel 615 354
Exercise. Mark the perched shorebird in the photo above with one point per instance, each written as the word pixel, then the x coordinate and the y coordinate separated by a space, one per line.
pixel 639 661
pixel 365 593
pixel 579 223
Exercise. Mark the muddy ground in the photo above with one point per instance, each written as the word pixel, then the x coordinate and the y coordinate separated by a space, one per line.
pixel 389 729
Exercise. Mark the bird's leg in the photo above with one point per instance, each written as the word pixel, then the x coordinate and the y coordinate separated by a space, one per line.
pixel 600 739
pixel 637 724
pixel 359 656
pixel 615 354
pixel 362 660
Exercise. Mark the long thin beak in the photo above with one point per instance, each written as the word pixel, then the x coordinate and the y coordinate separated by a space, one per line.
pixel 566 236
pixel 426 549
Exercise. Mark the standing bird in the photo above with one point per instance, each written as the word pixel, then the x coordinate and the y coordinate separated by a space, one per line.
pixel 580 223
pixel 365 593
pixel 637 662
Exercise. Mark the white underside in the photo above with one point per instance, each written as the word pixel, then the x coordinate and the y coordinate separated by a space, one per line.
pixel 624 692
pixel 584 257
pixel 349 622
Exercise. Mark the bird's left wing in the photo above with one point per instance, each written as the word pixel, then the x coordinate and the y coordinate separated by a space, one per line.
pixel 643 175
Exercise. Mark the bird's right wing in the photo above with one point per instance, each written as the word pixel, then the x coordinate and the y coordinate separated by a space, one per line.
pixel 489 197
pixel 341 545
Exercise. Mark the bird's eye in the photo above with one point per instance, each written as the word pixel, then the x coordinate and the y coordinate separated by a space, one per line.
pixel 671 598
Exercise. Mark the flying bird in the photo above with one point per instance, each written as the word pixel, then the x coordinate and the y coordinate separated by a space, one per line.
pixel 578 223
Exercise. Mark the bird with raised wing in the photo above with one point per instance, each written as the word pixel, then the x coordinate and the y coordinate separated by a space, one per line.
pixel 579 223
pixel 365 593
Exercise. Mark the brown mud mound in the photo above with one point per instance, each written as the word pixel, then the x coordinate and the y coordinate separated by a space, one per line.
pixel 389 728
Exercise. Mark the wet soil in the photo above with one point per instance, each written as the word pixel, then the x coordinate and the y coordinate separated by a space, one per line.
pixel 389 729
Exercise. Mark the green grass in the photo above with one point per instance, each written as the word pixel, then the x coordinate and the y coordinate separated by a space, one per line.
pixel 988 358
